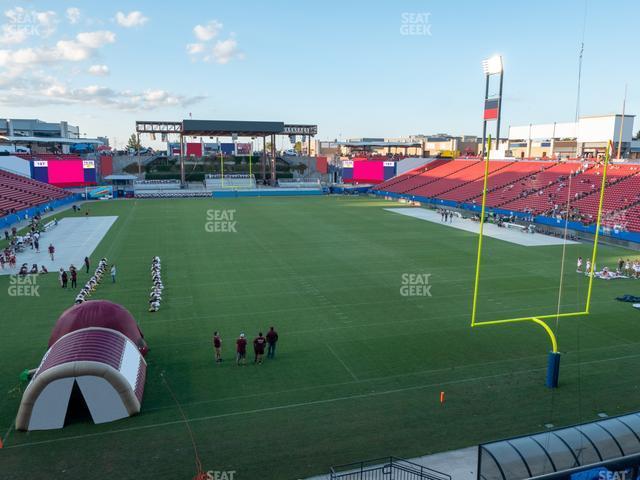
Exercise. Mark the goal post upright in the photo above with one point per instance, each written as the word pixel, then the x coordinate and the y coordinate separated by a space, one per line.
pixel 594 253
pixel 538 319
pixel 480 236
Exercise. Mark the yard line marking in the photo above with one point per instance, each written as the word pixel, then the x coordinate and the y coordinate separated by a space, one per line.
pixel 353 375
pixel 298 405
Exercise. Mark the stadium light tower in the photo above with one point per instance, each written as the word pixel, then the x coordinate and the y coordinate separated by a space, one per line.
pixel 492 104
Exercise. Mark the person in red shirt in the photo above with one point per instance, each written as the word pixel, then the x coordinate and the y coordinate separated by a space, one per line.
pixel 272 339
pixel 217 346
pixel 241 350
pixel 52 250
pixel 258 348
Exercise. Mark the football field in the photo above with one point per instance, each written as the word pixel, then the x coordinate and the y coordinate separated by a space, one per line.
pixel 373 311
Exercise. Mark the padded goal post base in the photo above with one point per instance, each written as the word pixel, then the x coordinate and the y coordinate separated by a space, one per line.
pixel 553 370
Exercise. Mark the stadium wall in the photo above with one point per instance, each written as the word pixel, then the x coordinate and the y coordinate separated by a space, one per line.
pixel 264 192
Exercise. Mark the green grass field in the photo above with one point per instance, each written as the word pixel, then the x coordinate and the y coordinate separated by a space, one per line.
pixel 359 367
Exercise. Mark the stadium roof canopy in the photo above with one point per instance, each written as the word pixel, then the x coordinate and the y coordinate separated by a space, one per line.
pixel 379 144
pixel 224 128
pixel 562 451
pixel 19 139
pixel 230 127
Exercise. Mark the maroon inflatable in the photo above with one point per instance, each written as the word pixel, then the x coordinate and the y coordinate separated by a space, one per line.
pixel 99 313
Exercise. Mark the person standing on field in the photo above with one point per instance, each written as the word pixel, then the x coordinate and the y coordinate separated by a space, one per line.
pixel 74 277
pixel 86 263
pixel 217 346
pixel 258 348
pixel 241 350
pixel 113 273
pixel 272 339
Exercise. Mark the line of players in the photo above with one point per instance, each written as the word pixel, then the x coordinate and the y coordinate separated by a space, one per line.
pixel 628 268
pixel 259 344
pixel 155 297
pixel 93 282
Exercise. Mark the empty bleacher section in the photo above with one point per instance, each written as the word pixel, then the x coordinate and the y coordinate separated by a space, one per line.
pixel 215 182
pixel 156 185
pixel 299 183
pixel 18 193
pixel 163 189
pixel 534 187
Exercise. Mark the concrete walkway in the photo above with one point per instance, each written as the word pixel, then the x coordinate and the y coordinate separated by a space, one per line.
pixel 512 235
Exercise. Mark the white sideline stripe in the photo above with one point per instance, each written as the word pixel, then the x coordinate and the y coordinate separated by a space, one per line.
pixel 490 230
pixel 303 404
pixel 353 375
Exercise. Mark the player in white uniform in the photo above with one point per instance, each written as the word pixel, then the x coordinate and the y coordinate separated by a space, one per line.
pixel 579 270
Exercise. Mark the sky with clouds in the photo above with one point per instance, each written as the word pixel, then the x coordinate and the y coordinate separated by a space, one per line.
pixel 355 68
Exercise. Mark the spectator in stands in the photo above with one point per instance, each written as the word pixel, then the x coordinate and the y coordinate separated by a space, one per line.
pixel 217 346
pixel 258 348
pixel 6 235
pixel 52 251
pixel 272 339
pixel 241 350
pixel 86 263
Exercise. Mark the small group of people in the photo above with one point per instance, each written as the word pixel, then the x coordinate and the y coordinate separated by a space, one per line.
pixel 25 270
pixel 260 343
pixel 624 269
pixel 446 215
pixel 8 258
pixel 155 297
pixel 63 277
pixel 93 281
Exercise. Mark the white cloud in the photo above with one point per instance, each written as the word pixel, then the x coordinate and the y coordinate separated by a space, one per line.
pixel 39 89
pixel 98 70
pixel 194 48
pixel 208 31
pixel 73 15
pixel 96 39
pixel 81 48
pixel 224 51
pixel 131 19
pixel 12 35
pixel 47 22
